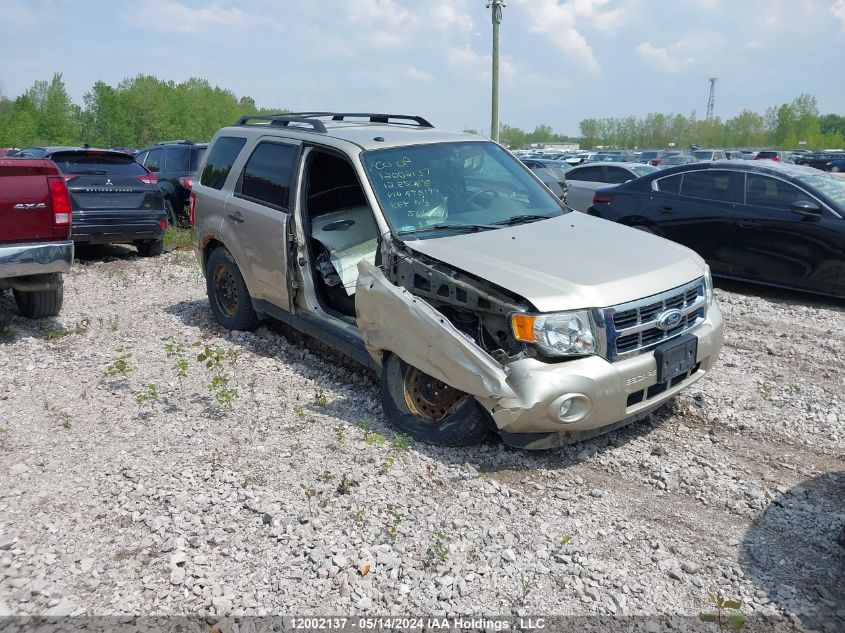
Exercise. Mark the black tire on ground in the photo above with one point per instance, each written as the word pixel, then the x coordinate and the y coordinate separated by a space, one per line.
pixel 463 422
pixel 150 248
pixel 228 296
pixel 38 304
pixel 172 220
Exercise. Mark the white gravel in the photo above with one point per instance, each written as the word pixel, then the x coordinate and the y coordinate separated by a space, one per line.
pixel 299 498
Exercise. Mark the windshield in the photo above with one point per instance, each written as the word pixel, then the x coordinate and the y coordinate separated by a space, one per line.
pixel 643 170
pixel 831 187
pixel 470 184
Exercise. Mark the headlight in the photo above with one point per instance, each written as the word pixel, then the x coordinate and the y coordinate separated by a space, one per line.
pixel 560 334
pixel 708 286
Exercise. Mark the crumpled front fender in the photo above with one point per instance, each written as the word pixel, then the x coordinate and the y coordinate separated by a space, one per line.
pixel 391 319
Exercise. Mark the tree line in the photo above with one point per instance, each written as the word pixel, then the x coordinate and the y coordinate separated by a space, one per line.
pixel 138 112
pixel 142 110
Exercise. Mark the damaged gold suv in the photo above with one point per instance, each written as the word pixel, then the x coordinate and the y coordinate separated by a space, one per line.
pixel 443 263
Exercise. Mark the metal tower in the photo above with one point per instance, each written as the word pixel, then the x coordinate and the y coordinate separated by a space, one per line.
pixel 712 100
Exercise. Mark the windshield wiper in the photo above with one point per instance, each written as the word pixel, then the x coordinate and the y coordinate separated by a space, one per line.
pixel 452 227
pixel 523 219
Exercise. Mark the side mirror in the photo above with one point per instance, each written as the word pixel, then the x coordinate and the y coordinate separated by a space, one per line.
pixel 806 208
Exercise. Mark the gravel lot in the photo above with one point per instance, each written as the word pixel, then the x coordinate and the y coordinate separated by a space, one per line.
pixel 295 496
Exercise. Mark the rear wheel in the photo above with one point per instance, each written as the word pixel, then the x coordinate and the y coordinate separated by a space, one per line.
pixel 835 169
pixel 150 248
pixel 38 304
pixel 228 296
pixel 428 409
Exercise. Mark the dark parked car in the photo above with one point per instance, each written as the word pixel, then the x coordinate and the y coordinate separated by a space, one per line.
pixel 678 159
pixel 759 221
pixel 709 154
pixel 175 163
pixel 820 160
pixel 836 165
pixel 114 200
pixel 774 154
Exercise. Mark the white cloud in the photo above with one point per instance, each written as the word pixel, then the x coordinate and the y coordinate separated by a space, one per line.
pixel 594 13
pixel 381 13
pixel 445 14
pixel 753 45
pixel 557 22
pixel 668 59
pixel 838 10
pixel 415 74
pixel 167 16
pixel 479 65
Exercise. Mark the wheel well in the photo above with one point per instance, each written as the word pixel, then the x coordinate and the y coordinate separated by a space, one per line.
pixel 210 246
pixel 639 220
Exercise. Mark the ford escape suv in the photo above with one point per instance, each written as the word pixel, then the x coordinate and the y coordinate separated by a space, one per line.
pixel 442 262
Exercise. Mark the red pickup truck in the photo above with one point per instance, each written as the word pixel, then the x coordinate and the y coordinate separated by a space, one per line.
pixel 35 244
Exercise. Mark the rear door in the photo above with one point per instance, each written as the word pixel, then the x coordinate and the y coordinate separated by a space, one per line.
pixel 697 209
pixel 25 210
pixel 106 183
pixel 257 215
pixel 772 244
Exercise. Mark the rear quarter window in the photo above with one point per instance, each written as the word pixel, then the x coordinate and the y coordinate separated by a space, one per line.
pixel 267 174
pixel 670 184
pixel 221 157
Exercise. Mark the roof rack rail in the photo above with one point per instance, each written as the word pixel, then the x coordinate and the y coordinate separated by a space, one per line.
pixel 313 118
pixel 180 141
pixel 283 120
pixel 373 117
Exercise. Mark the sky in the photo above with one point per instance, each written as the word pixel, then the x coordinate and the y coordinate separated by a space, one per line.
pixel 561 60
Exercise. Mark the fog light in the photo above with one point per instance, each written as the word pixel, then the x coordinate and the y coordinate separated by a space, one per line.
pixel 570 407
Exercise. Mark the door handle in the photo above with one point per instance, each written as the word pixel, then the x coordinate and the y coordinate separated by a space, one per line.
pixel 749 224
pixel 667 210
pixel 236 216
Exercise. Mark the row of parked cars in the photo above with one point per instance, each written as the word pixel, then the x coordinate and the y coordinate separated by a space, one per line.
pixel 121 196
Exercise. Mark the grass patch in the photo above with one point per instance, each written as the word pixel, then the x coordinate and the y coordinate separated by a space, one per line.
pixel 179 239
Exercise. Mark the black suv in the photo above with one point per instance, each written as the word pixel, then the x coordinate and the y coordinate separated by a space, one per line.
pixel 175 163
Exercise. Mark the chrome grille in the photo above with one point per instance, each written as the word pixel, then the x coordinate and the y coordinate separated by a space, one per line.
pixel 632 327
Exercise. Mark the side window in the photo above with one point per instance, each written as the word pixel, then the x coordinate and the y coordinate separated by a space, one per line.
pixel 618 175
pixel 267 174
pixel 672 184
pixel 176 159
pixel 222 156
pixel 140 158
pixel 153 161
pixel 709 184
pixel 587 173
pixel 762 191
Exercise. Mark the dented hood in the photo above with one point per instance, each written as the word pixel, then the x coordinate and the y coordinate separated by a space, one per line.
pixel 569 262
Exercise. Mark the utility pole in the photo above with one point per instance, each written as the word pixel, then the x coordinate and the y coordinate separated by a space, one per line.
pixel 496 6
pixel 712 100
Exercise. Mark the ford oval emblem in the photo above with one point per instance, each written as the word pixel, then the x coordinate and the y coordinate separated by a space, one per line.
pixel 669 320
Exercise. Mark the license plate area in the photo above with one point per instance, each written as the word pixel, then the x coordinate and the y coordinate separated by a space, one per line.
pixel 676 357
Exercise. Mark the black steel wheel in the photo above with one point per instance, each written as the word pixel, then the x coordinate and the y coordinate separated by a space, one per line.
pixel 429 409
pixel 228 296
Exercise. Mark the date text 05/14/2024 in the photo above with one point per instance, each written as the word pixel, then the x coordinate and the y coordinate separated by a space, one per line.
pixel 377 623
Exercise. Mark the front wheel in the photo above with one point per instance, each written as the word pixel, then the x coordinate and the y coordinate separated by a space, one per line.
pixel 428 409
pixel 228 296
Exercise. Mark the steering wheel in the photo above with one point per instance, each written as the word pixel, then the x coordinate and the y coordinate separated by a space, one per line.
pixel 480 193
